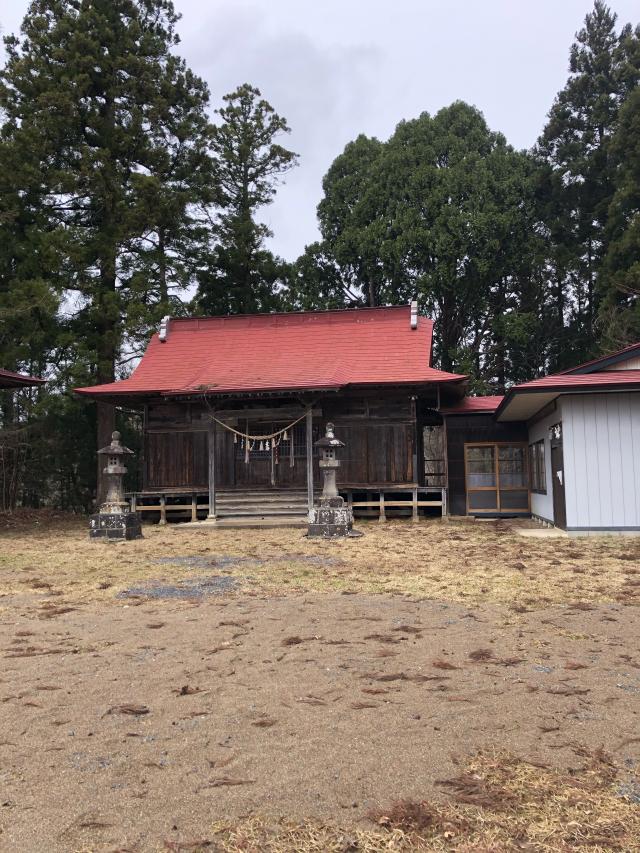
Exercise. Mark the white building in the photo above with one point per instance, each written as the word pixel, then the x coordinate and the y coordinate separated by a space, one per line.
pixel 584 443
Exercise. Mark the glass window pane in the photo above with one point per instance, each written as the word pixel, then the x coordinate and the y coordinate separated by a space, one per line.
pixel 480 467
pixel 537 468
pixel 511 466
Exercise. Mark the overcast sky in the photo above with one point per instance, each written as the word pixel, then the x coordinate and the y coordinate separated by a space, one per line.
pixel 337 68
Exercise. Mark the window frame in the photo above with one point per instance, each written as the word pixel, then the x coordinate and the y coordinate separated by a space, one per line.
pixel 498 486
pixel 538 467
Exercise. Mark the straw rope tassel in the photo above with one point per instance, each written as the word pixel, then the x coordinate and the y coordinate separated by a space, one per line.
pixel 266 437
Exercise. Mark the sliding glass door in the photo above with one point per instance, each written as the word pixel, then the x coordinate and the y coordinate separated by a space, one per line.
pixel 497 478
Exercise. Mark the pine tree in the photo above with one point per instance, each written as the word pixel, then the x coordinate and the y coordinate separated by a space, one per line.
pixel 241 274
pixel 113 130
pixel 575 144
pixel 620 281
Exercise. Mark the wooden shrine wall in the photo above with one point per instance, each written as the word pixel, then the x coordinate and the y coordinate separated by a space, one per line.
pixel 379 431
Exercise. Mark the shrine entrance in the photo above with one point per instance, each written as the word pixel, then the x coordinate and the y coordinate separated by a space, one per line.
pixel 273 463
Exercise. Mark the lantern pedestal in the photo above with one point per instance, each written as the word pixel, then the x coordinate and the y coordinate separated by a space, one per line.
pixel 114 520
pixel 115 525
pixel 330 518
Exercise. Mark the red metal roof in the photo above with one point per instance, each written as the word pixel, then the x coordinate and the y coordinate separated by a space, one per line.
pixel 547 388
pixel 9 379
pixel 568 381
pixel 604 360
pixel 473 405
pixel 272 352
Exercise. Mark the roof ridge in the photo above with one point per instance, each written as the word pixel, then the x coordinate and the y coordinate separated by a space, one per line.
pixel 599 360
pixel 292 314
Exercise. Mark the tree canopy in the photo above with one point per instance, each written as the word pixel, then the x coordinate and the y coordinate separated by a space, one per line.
pixel 123 199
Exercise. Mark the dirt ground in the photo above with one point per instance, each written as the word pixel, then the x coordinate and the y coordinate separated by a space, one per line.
pixel 426 687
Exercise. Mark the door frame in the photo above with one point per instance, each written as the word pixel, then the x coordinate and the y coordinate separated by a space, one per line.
pixel 498 488
pixel 558 487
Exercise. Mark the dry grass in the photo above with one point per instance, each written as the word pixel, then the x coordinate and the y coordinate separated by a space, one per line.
pixel 497 803
pixel 454 561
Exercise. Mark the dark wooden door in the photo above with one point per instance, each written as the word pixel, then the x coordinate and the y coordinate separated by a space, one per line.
pixel 557 475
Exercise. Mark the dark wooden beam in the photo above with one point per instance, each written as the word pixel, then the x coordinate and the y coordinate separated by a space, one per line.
pixel 212 469
pixel 310 458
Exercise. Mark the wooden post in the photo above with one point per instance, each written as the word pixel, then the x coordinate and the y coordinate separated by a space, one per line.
pixel 194 507
pixel 383 516
pixel 414 514
pixel 133 502
pixel 212 469
pixel 272 471
pixel 309 417
pixel 163 509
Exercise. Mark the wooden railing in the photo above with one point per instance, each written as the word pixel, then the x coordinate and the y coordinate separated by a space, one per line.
pixel 377 500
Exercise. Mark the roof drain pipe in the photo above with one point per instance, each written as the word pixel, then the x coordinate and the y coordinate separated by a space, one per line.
pixel 164 328
pixel 414 313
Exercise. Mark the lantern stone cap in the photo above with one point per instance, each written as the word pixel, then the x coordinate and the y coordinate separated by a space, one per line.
pixel 115 448
pixel 329 439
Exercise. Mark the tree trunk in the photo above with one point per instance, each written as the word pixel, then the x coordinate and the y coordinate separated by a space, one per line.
pixel 107 356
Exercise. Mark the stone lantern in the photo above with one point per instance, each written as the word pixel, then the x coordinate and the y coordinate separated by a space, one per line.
pixel 114 519
pixel 330 517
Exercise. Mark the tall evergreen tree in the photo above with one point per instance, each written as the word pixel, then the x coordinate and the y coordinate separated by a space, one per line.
pixel 444 210
pixel 620 280
pixel 575 144
pixel 241 274
pixel 113 130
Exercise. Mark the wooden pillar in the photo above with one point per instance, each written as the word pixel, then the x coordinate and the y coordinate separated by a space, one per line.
pixel 383 516
pixel 414 513
pixel 163 509
pixel 212 469
pixel 194 507
pixel 309 418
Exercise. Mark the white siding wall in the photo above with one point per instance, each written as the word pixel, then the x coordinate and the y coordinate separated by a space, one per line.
pixel 629 364
pixel 542 505
pixel 601 444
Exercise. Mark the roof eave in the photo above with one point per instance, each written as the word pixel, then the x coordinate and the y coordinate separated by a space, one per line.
pixel 603 362
pixel 555 392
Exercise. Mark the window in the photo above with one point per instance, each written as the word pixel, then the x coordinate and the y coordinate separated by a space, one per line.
pixel 497 477
pixel 481 467
pixel 538 467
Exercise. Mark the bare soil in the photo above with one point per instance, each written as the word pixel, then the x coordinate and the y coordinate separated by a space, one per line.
pixel 194 690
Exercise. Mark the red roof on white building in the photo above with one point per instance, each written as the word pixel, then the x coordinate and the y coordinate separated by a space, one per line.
pixel 288 352
pixel 571 381
pixel 605 361
pixel 522 401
